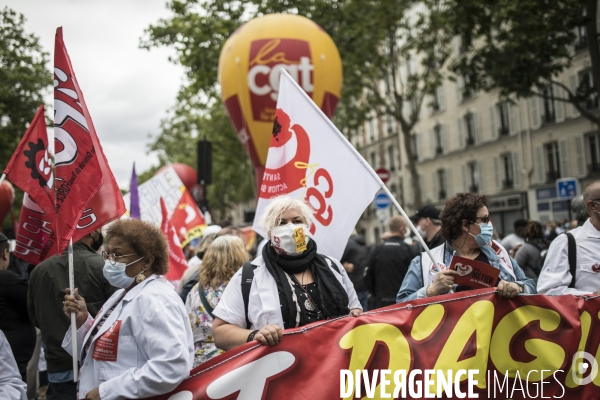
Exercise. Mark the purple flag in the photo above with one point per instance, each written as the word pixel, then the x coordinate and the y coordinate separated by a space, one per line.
pixel 134 207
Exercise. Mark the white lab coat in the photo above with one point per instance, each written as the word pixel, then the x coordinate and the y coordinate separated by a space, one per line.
pixel 555 277
pixel 155 348
pixel 11 385
pixel 263 305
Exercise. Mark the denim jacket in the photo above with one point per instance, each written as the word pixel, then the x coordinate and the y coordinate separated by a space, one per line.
pixel 413 287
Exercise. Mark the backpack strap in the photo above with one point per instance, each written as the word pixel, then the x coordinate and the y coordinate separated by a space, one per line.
pixel 209 309
pixel 247 278
pixel 572 251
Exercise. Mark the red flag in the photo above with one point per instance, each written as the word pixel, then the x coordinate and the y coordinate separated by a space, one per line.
pixel 177 263
pixel 35 233
pixel 30 167
pixel 95 199
pixel 187 219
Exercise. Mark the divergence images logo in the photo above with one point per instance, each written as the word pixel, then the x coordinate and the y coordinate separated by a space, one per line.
pixel 581 365
pixel 267 58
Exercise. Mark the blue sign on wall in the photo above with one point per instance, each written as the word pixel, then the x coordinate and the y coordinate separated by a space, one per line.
pixel 566 188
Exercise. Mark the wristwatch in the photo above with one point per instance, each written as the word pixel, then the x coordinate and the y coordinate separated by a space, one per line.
pixel 251 336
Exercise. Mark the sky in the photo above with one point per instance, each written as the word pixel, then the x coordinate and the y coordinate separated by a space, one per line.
pixel 128 90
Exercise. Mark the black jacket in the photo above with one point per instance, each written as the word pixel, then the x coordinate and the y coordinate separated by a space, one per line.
pixel 386 267
pixel 356 253
pixel 47 284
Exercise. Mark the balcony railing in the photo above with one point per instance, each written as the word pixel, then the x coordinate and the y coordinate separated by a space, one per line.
pixel 474 189
pixel 442 195
pixel 503 131
pixel 439 150
pixel 548 118
pixel 470 140
pixel 581 45
pixel 552 176
pixel 593 168
pixel 507 184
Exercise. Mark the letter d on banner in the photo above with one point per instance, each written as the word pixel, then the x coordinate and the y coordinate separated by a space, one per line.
pixel 346 390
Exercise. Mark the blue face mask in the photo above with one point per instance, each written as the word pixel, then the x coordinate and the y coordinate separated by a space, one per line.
pixel 115 274
pixel 485 236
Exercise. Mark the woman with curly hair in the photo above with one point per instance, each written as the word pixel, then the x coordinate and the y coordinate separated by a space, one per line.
pixel 221 261
pixel 467 228
pixel 140 343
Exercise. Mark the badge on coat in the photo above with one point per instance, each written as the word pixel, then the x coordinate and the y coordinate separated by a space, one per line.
pixel 107 345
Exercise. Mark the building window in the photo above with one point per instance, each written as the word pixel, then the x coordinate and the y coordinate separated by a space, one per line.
pixel 473 171
pixel 467 90
pixel 552 162
pixel 392 159
pixel 374 160
pixel 507 167
pixel 470 127
pixel 372 129
pixel 594 146
pixel 586 85
pixel 443 190
pixel 581 31
pixel 415 146
pixel 549 109
pixel 437 132
pixel 437 101
pixel 504 118
pixel 390 124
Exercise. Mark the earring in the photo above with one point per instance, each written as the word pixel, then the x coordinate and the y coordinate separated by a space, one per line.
pixel 139 278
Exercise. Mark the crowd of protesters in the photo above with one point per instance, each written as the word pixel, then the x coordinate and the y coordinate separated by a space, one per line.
pixel 232 295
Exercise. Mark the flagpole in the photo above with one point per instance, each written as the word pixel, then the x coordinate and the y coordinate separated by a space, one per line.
pixel 2 178
pixel 411 225
pixel 73 319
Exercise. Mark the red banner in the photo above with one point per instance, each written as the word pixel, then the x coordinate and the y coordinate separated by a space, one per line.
pixel 177 262
pixel 35 233
pixel 187 219
pixel 495 347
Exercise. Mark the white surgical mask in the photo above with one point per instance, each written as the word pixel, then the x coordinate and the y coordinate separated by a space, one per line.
pixel 116 276
pixel 290 239
pixel 422 232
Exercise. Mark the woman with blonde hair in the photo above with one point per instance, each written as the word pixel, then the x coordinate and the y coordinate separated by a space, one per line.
pixel 220 262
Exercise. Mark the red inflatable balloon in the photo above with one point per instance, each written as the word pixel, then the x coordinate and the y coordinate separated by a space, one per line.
pixel 7 197
pixel 187 174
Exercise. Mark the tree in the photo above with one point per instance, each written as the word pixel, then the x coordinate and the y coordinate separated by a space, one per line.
pixel 233 181
pixel 520 47
pixel 375 40
pixel 23 81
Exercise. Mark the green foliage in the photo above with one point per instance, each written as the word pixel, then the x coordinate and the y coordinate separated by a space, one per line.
pixel 23 81
pixel 232 172
pixel 522 46
pixel 373 37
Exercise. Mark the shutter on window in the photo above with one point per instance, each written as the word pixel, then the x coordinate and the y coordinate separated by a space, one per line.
pixel 459 88
pixel 513 116
pixel 465 178
pixel 580 156
pixel 477 126
pixel 482 175
pixel 563 152
pixel 559 106
pixel 445 147
pixel 432 142
pixel 497 173
pixel 493 127
pixel 461 133
pixel 441 96
pixel 534 109
pixel 435 188
pixel 573 86
pixel 449 189
pixel 517 169
pixel 539 164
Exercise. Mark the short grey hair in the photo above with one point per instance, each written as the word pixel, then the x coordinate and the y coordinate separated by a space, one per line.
pixel 272 213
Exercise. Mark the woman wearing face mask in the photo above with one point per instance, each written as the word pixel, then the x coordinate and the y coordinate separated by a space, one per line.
pixel 291 285
pixel 140 343
pixel 468 232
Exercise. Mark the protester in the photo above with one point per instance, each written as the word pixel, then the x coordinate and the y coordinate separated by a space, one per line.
pixel 388 263
pixel 14 321
pixel 292 285
pixel 354 262
pixel 517 237
pixel 530 256
pixel 140 344
pixel 47 283
pixel 428 224
pixel 556 277
pixel 222 259
pixel 12 386
pixel 190 276
pixel 467 229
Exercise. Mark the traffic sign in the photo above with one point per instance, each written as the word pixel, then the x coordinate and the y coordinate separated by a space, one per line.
pixel 383 174
pixel 566 188
pixel 382 201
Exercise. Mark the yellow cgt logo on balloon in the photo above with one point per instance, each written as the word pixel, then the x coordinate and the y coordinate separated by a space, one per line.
pixel 249 69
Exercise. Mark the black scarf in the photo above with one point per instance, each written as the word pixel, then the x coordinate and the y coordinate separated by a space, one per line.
pixel 333 298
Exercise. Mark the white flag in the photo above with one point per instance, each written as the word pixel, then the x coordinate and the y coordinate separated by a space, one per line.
pixel 310 159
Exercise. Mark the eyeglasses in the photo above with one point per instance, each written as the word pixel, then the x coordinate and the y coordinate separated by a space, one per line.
pixel 112 258
pixel 485 219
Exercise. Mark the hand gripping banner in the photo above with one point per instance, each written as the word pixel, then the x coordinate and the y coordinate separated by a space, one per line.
pixel 494 347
